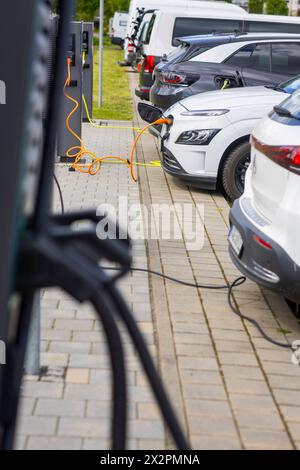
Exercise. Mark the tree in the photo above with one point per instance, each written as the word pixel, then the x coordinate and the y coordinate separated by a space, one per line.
pixel 276 7
pixel 110 6
pixel 86 9
pixel 256 6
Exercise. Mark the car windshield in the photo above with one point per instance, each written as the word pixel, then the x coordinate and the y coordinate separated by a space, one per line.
pixel 291 85
pixel 292 105
pixel 180 50
pixel 143 32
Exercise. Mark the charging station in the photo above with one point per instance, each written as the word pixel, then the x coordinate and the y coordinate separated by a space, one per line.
pixel 88 52
pixel 65 138
pixel 25 78
pixel 25 74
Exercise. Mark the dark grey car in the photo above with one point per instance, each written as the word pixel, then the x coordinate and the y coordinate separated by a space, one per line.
pixel 187 49
pixel 260 60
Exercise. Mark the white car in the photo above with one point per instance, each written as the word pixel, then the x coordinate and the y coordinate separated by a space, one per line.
pixel 265 221
pixel 207 145
pixel 119 28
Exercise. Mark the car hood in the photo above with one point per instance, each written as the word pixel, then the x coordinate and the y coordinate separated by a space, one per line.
pixel 233 98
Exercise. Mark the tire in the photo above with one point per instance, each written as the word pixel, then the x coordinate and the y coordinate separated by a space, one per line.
pixel 234 171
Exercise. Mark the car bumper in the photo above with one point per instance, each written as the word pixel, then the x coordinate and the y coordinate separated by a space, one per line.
pixel 144 86
pixel 142 93
pixel 165 101
pixel 117 41
pixel 164 96
pixel 270 268
pixel 171 166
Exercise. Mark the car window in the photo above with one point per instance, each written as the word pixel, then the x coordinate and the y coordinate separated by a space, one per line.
pixel 196 26
pixel 149 30
pixel 261 58
pixel 286 58
pixel 292 104
pixel 268 27
pixel 143 32
pixel 291 86
pixel 178 52
pixel 241 58
pixel 254 56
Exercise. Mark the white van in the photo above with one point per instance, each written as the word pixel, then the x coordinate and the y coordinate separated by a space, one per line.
pixel 119 28
pixel 165 26
pixel 169 5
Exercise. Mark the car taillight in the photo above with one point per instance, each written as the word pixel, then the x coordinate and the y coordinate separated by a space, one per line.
pixel 287 156
pixel 171 78
pixel 149 63
pixel 177 79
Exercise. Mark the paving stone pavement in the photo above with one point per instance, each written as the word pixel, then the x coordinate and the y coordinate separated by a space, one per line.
pixel 234 390
pixel 231 389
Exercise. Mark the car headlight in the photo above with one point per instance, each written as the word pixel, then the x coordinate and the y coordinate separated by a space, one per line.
pixel 197 137
pixel 205 112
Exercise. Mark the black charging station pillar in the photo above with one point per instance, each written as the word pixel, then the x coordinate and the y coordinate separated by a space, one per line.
pixel 88 52
pixel 65 139
pixel 24 75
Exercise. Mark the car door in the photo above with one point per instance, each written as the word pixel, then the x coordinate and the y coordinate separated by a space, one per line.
pixel 285 60
pixel 272 63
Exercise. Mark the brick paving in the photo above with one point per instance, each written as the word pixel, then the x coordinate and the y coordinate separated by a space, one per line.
pixel 231 389
pixel 235 390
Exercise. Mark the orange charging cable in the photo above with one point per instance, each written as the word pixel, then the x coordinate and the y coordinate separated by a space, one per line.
pixel 79 151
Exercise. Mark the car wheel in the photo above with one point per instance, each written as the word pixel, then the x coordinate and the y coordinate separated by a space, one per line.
pixel 234 171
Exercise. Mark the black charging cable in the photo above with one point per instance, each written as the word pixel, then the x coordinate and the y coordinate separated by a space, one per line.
pixel 237 312
pixel 230 287
pixel 149 368
pixel 103 307
pixel 119 308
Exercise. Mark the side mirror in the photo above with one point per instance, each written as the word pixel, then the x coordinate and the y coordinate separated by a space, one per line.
pixel 149 113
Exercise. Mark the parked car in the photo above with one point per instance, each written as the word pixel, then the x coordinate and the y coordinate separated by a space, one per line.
pixel 207 146
pixel 265 221
pixel 137 43
pixel 119 28
pixel 245 60
pixel 137 7
pixel 166 25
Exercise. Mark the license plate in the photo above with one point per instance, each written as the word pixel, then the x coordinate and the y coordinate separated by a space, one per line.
pixel 235 240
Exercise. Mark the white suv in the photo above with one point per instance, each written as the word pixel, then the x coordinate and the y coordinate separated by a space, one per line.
pixel 207 145
pixel 264 240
